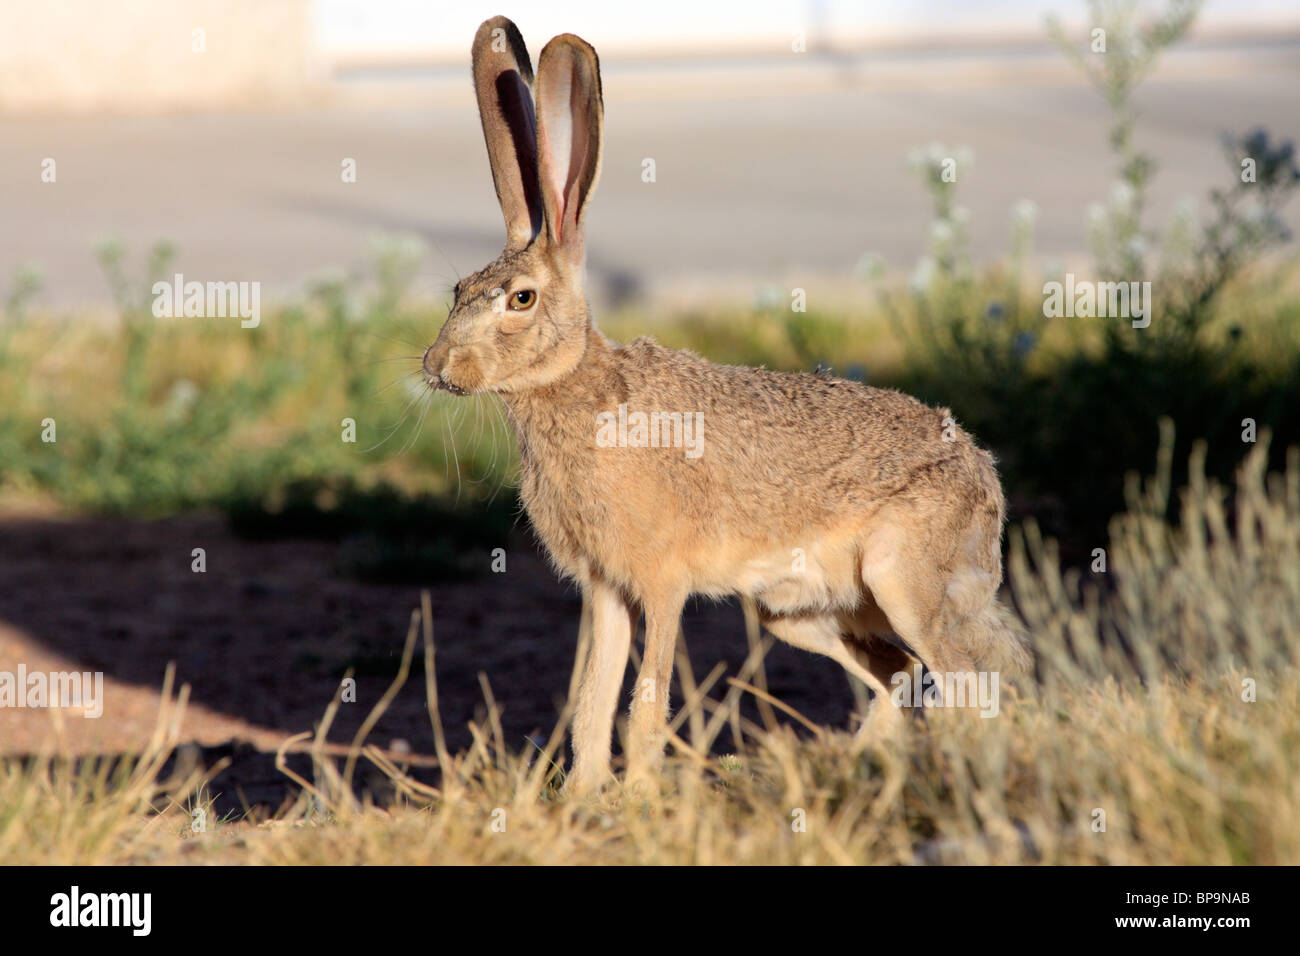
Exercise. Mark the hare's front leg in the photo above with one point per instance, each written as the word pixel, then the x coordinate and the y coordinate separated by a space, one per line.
pixel 613 620
pixel 649 720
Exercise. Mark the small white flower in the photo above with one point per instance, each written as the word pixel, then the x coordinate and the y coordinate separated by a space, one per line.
pixel 1122 197
pixel 1254 213
pixel 181 398
pixel 923 276
pixel 768 297
pixel 870 267
pixel 1024 212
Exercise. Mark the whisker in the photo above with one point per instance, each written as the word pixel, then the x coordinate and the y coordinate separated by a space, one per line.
pixel 406 411
pixel 446 459
pixel 497 414
pixel 419 425
pixel 487 470
pixel 391 339
pixel 446 260
pixel 455 422
pixel 395 381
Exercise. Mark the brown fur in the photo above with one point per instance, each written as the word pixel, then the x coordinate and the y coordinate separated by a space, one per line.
pixel 859 519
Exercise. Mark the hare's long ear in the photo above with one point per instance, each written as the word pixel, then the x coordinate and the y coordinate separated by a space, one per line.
pixel 570 116
pixel 503 80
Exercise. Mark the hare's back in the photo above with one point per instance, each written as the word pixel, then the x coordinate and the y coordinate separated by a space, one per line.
pixel 794 426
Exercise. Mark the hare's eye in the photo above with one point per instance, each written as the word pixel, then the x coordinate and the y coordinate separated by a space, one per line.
pixel 523 299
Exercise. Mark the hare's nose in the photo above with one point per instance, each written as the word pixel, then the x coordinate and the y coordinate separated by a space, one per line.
pixel 430 365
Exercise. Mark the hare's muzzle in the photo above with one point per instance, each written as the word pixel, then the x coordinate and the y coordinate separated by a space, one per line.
pixel 434 358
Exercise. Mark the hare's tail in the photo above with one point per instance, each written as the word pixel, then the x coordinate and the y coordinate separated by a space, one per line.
pixel 994 636
pixel 976 627
pixel 1005 641
pixel 981 632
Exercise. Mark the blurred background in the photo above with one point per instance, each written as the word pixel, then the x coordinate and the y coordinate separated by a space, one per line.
pixel 879 188
pixel 223 126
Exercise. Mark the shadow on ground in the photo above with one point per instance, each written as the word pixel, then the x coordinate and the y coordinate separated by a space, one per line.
pixel 264 635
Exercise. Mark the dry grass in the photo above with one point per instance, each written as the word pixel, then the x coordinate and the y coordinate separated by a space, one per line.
pixel 1138 712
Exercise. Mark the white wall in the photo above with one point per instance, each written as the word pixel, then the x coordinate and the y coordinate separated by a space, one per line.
pixel 87 55
pixel 443 29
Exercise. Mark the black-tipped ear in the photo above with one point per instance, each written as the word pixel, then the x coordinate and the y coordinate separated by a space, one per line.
pixel 503 79
pixel 570 122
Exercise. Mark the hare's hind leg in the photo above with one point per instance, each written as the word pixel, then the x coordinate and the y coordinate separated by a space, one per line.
pixel 943 603
pixel 828 635
pixel 872 644
pixel 613 620
pixel 909 586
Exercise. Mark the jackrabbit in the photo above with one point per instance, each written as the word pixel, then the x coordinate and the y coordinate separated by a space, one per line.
pixel 865 525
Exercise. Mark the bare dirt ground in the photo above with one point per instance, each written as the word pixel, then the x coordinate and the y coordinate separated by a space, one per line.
pixel 266 633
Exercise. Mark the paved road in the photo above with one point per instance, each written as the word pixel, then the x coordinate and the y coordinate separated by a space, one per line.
pixel 781 171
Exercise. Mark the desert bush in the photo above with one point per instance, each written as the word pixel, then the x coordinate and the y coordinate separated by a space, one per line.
pixel 1071 406
pixel 159 415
